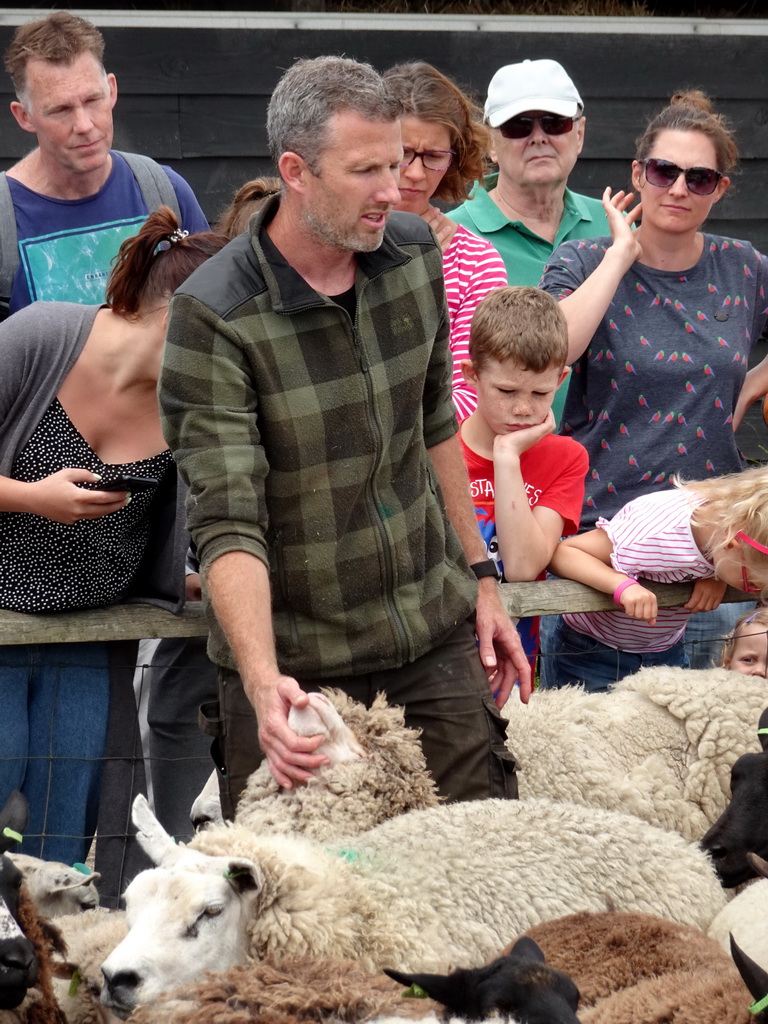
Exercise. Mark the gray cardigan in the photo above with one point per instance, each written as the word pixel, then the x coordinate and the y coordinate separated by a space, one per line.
pixel 39 345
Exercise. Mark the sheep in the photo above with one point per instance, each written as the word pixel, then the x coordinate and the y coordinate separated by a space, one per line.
pixel 425 890
pixel 742 829
pixel 324 990
pixel 641 969
pixel 745 917
pixel 660 745
pixel 377 770
pixel 27 942
pixel 55 888
pixel 88 939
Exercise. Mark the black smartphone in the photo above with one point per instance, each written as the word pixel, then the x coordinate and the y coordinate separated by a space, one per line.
pixel 126 483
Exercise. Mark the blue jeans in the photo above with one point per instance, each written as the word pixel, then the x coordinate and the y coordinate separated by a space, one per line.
pixel 55 705
pixel 577 659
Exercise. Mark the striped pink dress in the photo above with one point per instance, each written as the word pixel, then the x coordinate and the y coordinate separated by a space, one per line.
pixel 651 537
pixel 472 268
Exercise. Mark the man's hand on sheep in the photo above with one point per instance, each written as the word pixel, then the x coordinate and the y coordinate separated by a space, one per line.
pixel 499 646
pixel 291 758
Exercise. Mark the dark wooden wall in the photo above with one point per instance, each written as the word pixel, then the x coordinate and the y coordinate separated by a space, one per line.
pixel 196 98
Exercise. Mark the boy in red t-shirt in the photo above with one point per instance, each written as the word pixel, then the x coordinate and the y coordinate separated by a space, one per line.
pixel 526 483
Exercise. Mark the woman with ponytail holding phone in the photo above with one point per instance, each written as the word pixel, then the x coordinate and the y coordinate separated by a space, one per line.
pixel 78 408
pixel 661 319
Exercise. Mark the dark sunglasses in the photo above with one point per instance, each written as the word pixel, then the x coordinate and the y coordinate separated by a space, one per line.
pixel 702 181
pixel 551 124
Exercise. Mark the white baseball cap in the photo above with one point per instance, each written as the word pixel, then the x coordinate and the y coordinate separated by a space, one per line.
pixel 531 85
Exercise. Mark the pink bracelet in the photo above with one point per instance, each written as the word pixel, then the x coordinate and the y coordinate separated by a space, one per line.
pixel 622 587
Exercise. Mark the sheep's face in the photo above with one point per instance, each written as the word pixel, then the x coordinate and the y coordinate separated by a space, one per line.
pixel 183 921
pixel 18 960
pixel 320 717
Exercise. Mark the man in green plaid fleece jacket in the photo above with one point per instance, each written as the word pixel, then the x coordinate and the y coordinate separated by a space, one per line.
pixel 306 396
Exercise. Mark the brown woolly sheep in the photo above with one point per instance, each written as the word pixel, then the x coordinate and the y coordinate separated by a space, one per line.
pixel 299 989
pixel 641 969
pixel 305 990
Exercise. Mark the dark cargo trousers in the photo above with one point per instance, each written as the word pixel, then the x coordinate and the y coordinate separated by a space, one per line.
pixel 445 694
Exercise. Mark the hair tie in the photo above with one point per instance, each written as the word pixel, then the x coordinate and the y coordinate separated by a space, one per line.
pixel 176 236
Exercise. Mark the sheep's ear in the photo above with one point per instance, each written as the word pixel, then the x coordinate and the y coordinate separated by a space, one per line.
pixel 760 865
pixel 762 729
pixel 13 820
pixel 440 987
pixel 753 976
pixel 243 875
pixel 527 949
pixel 152 837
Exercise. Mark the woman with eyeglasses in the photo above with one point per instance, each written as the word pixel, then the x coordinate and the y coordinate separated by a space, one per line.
pixel 444 146
pixel 661 322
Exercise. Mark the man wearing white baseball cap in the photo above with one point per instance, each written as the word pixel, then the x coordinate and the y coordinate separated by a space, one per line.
pixel 537 122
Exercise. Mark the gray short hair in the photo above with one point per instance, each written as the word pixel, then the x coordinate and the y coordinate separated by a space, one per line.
pixel 311 92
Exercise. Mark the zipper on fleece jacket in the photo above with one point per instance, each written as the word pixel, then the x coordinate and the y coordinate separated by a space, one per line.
pixel 373 504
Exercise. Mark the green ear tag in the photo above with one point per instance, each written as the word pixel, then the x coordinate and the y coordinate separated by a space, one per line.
pixel 82 868
pixel 10 834
pixel 414 992
pixel 74 984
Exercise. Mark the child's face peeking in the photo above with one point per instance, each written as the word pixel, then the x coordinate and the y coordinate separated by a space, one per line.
pixel 750 651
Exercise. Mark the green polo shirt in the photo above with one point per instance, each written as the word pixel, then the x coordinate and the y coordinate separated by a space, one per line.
pixel 524 252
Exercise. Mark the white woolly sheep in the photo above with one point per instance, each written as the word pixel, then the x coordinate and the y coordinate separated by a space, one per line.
pixel 377 771
pixel 326 990
pixel 660 745
pixel 640 969
pixel 88 939
pixel 746 919
pixel 55 888
pixel 425 890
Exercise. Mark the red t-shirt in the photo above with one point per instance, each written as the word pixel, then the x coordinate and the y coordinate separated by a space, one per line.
pixel 553 472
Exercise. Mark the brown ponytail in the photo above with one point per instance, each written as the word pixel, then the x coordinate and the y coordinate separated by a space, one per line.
pixel 150 266
pixel 246 201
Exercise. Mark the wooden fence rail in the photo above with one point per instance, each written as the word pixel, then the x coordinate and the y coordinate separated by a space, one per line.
pixel 145 622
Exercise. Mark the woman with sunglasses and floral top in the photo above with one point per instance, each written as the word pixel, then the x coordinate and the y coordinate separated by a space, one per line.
pixel 444 146
pixel 661 322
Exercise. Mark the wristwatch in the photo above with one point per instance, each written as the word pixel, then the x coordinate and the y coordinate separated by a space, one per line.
pixel 486 568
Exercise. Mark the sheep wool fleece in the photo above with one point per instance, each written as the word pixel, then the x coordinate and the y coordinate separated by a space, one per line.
pixel 304 437
pixel 449 885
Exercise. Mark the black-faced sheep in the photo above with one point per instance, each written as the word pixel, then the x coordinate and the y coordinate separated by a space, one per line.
pixel 742 828
pixel 27 943
pixel 426 890
pixel 377 771
pixel 660 745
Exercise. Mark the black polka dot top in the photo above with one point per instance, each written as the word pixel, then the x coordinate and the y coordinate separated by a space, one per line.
pixel 48 566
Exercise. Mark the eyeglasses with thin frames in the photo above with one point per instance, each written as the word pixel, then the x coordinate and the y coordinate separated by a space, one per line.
pixel 431 159
pixel 702 181
pixel 551 124
pixel 748 587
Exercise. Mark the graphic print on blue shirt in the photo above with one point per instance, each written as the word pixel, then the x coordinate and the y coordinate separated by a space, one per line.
pixel 73 265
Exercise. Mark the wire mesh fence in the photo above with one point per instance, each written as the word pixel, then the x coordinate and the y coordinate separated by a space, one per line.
pixel 93 717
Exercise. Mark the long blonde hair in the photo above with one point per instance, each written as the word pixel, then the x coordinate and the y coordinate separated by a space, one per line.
pixel 735 503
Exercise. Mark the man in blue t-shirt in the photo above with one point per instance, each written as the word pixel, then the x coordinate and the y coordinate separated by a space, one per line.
pixel 74 199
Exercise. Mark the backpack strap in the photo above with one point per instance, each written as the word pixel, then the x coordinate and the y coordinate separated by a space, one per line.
pixel 9 246
pixel 155 185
